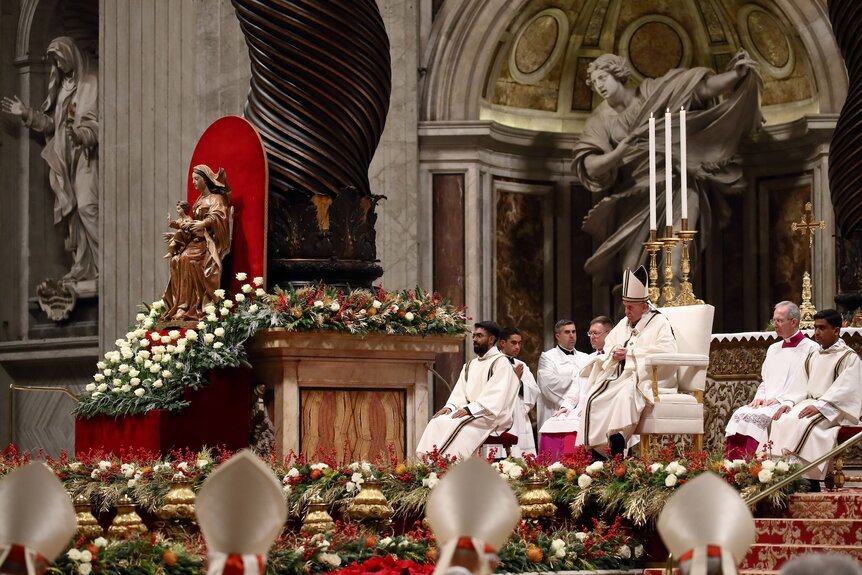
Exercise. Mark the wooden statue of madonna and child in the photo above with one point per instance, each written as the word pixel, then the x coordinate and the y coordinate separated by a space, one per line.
pixel 196 250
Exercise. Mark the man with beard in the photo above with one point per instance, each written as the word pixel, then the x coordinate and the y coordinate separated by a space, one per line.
pixel 481 403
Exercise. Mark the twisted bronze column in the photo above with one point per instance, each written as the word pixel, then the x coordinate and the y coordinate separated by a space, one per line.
pixel 320 85
pixel 845 152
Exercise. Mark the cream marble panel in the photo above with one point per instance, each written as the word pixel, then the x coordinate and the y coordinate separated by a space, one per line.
pixel 394 172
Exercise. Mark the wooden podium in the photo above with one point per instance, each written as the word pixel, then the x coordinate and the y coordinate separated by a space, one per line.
pixel 348 393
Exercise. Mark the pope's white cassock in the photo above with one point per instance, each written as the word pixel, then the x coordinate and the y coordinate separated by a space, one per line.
pixel 557 372
pixel 618 392
pixel 783 360
pixel 487 387
pixel 525 400
pixel 830 380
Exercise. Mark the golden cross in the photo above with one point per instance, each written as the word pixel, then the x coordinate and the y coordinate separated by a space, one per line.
pixel 808 225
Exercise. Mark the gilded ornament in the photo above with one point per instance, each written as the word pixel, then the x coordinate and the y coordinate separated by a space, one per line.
pixel 317 519
pixel 127 522
pixel 179 502
pixel 370 503
pixel 535 501
pixel 88 527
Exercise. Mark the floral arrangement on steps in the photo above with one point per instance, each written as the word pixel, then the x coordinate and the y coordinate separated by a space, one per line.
pixel 632 488
pixel 150 369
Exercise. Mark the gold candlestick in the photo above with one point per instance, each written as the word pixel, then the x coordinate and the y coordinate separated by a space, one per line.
pixel 686 293
pixel 652 246
pixel 668 241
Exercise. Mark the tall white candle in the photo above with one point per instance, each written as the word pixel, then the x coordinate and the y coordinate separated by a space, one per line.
pixel 683 166
pixel 652 193
pixel 668 166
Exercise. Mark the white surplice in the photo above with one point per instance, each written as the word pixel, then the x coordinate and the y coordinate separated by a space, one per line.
pixel 830 380
pixel 556 374
pixel 783 361
pixel 521 424
pixel 487 387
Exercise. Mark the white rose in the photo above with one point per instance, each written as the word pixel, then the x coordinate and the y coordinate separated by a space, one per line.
pixel 201 463
pixel 202 325
pixel 155 368
pixel 318 303
pixel 140 317
pixel 157 384
pixel 101 365
pixel 260 292
pixel 218 345
pixel 556 466
pixel 670 480
pixel 103 387
pixel 393 307
pixel 131 483
pixel 258 281
pixel 219 332
pixel 385 542
pixel 224 311
pixel 219 293
pixel 738 462
pixel 584 481
pixel 357 478
pixel 334 306
pixel 74 554
pixel 246 289
pixel 192 335
pixel 330 559
pixel 94 474
pixel 140 392
pixel 181 349
pixel 209 309
pixel 580 536
pixel 183 465
pixel 105 464
pixel 515 472
pixel 242 276
pixel 99 377
pixel 144 354
pixel 639 551
pixel 253 308
pixel 227 304
pixel 166 373
pixel 209 338
pixel 148 323
pixel 431 481
pixel 135 381
pixel 134 373
pixel 124 368
pixel 158 304
pixel 768 464
pixel 595 467
pixel 409 316
pixel 655 467
pixel 145 342
pixel 294 472
pixel 782 467
pixel 174 334
pixel 100 541
pixel 350 487
pixel 91 387
pixel 672 467
pixel 117 381
pixel 376 304
pixel 625 552
pixel 239 297
pixel 126 388
pixel 765 475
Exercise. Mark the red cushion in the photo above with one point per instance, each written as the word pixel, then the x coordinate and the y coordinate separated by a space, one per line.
pixel 846 432
pixel 504 438
pixel 234 144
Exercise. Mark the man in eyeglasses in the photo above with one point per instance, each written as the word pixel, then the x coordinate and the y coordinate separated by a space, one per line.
pixel 748 427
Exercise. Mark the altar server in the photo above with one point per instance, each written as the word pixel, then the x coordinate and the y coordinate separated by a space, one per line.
pixel 528 392
pixel 482 401
pixel 825 394
pixel 558 368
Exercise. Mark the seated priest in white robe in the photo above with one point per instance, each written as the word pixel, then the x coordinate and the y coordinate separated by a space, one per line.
pixel 748 428
pixel 558 367
pixel 481 403
pixel 620 384
pixel 528 392
pixel 826 394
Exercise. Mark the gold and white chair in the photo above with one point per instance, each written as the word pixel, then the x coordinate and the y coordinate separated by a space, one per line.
pixel 679 410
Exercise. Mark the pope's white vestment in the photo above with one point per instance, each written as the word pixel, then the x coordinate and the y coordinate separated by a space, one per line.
pixel 487 387
pixel 618 392
pixel 830 380
pixel 783 361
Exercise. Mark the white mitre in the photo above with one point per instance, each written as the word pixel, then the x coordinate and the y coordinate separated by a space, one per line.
pixel 707 517
pixel 240 511
pixel 37 518
pixel 471 502
pixel 636 285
